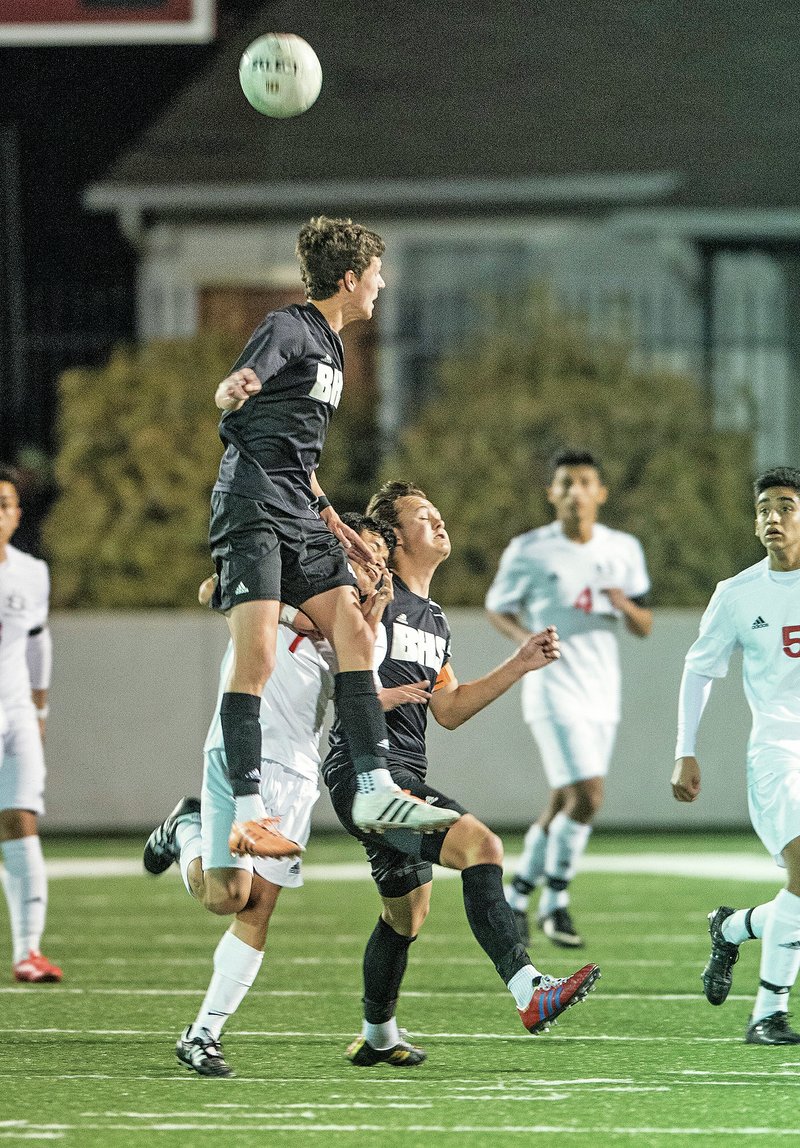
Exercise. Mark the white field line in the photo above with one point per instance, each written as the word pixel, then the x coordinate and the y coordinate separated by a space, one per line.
pixel 493 1130
pixel 314 994
pixel 295 1035
pixel 717 866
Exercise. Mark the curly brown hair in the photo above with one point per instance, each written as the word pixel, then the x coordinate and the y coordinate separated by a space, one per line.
pixel 327 248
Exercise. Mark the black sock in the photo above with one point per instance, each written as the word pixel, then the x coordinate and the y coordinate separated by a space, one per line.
pixel 385 960
pixel 491 919
pixel 241 733
pixel 362 719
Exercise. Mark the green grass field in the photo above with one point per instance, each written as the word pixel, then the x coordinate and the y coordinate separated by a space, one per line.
pixel 646 1060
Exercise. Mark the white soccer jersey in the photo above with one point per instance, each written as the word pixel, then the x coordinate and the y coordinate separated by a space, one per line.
pixel 24 595
pixel 294 702
pixel 548 580
pixel 758 611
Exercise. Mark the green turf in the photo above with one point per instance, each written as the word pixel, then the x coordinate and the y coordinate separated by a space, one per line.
pixel 91 1063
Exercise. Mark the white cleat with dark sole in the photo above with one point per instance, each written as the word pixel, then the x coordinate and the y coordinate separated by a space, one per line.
pixel 394 809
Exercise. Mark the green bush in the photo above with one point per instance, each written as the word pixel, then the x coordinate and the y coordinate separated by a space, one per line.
pixel 537 381
pixel 138 457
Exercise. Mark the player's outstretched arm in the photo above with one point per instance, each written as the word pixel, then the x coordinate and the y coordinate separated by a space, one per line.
pixel 455 702
pixel 686 779
pixel 233 392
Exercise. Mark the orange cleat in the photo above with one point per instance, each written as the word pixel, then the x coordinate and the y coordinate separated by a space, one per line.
pixel 36 970
pixel 261 839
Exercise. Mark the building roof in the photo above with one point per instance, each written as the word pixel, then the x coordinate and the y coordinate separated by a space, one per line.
pixel 428 104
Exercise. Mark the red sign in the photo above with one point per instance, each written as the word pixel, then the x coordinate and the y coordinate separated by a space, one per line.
pixel 85 22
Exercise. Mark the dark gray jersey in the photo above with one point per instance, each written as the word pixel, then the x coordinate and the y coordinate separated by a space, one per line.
pixel 273 443
pixel 417 647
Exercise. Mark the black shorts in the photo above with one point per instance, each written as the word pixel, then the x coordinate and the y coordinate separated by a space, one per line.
pixel 262 555
pixel 400 859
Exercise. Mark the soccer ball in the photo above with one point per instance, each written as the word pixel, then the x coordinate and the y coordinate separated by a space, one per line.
pixel 280 75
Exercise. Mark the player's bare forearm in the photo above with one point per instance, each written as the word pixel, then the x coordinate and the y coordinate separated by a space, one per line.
pixel 509 625
pixel 459 701
pixel 638 619
pixel 685 779
pixel 233 392
pixel 414 693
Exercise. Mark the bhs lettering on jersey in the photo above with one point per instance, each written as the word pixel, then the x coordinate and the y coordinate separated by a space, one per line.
pixel 328 387
pixel 410 645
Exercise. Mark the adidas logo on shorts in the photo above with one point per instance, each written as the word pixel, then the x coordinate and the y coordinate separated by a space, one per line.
pixel 241 589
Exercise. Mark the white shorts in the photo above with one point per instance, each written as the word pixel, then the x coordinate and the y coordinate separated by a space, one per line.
pixel 575 751
pixel 774 801
pixel 22 770
pixel 286 795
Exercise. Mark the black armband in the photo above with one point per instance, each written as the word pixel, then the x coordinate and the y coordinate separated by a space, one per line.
pixel 322 503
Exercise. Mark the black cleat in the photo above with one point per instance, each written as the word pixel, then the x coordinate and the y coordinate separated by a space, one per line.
pixel 523 928
pixel 402 1055
pixel 160 850
pixel 772 1029
pixel 203 1054
pixel 559 928
pixel 717 976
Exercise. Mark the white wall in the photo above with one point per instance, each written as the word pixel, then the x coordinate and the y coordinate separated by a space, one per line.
pixel 133 693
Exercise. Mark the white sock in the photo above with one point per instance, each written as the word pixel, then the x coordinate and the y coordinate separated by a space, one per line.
pixel 25 885
pixel 780 960
pixel 236 966
pixel 531 865
pixel 188 834
pixel 566 842
pixel 521 985
pixel 381 1036
pixel 734 928
pixel 374 779
pixel 249 807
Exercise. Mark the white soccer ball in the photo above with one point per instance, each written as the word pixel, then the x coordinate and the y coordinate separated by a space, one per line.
pixel 280 75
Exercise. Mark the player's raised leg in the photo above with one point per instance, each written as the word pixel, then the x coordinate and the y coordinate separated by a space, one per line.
pixel 253 626
pixel 472 848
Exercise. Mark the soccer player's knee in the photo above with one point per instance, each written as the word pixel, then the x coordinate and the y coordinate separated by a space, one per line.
pixel 491 848
pixel 484 847
pixel 224 896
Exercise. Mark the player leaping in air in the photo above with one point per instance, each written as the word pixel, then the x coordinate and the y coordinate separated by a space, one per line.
pixel 275 538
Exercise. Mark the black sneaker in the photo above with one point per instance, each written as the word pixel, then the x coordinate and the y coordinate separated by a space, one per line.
pixel 559 928
pixel 717 976
pixel 203 1054
pixel 160 850
pixel 523 928
pixel 772 1029
pixel 402 1055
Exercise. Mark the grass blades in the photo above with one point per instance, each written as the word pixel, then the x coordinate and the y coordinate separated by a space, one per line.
pixel 645 1061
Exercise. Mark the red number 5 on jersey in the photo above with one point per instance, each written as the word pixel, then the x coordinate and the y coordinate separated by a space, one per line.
pixel 791 641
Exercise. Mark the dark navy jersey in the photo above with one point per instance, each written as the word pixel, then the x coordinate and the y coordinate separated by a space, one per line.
pixel 417 647
pixel 273 442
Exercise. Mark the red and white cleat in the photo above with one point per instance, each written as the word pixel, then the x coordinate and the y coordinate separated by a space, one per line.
pixel 554 995
pixel 36 970
pixel 261 839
